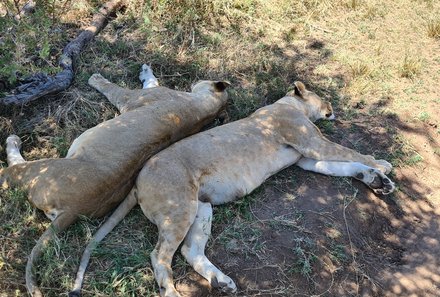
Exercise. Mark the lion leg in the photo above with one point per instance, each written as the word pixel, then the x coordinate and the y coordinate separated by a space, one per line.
pixel 147 77
pixel 319 148
pixel 115 94
pixel 193 249
pixel 13 145
pixel 372 177
pixel 173 225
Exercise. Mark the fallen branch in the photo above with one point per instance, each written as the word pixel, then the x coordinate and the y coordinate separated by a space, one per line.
pixel 28 8
pixel 41 84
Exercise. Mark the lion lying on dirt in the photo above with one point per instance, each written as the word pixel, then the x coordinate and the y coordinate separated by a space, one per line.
pixel 103 162
pixel 177 187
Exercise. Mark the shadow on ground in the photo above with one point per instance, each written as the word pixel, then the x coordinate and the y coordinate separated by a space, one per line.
pixel 301 234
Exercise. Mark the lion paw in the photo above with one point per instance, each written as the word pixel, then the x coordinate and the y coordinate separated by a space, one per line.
pixel 377 181
pixel 224 283
pixel 384 166
pixel 147 77
pixel 145 73
pixel 75 293
pixel 170 292
pixel 95 79
pixel 13 140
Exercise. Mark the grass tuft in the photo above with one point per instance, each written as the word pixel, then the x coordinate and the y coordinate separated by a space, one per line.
pixel 359 68
pixel 424 116
pixel 433 28
pixel 410 67
pixel 353 4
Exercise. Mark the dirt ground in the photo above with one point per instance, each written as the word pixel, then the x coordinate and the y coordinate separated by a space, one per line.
pixel 300 233
pixel 358 244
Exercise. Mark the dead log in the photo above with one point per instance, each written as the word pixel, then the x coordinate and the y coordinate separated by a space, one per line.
pixel 41 84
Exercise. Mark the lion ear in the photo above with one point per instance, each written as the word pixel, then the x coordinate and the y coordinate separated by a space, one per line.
pixel 300 88
pixel 220 86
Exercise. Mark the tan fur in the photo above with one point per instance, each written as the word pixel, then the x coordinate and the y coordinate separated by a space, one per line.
pixel 102 163
pixel 224 164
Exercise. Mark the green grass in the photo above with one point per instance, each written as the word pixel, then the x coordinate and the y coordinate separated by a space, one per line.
pixel 15 209
pixel 403 153
pixel 326 127
pixel 242 103
pixel 17 217
pixel 241 208
pixel 338 253
pixel 414 159
pixel 305 257
pixel 29 46
pixel 424 116
pixel 61 145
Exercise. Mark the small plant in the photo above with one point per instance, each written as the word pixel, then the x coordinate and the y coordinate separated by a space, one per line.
pixel 433 28
pixel 338 253
pixel 304 258
pixel 359 68
pixel 414 159
pixel 61 145
pixel 353 4
pixel 349 113
pixel 410 67
pixel 14 205
pixel 287 221
pixel 326 126
pixel 424 116
pixel 373 11
pixel 289 35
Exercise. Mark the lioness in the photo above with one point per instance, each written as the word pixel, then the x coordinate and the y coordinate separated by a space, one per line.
pixel 102 163
pixel 177 187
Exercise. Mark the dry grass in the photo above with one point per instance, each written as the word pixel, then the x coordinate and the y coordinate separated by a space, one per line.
pixel 433 28
pixel 410 67
pixel 360 68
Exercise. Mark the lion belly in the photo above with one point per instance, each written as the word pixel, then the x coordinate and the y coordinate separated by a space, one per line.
pixel 239 175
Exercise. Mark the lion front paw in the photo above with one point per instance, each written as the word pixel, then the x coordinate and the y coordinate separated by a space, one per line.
pixel 14 141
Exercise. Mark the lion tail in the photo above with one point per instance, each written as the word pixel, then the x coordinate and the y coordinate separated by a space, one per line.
pixel 121 211
pixel 60 223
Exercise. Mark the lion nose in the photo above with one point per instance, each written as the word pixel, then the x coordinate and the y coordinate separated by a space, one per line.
pixel 330 116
